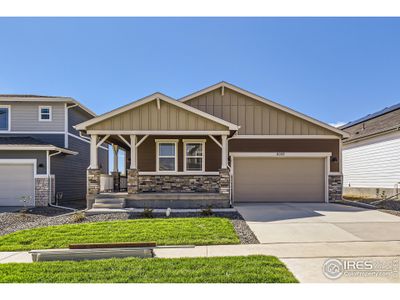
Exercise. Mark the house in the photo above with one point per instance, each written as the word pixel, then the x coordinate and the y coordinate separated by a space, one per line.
pixel 41 154
pixel 216 147
pixel 371 155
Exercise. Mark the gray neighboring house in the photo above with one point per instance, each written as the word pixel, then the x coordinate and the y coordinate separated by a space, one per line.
pixel 41 154
pixel 371 154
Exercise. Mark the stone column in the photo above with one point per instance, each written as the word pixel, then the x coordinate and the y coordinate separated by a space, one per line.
pixel 335 187
pixel 224 182
pixel 42 191
pixel 116 180
pixel 132 181
pixel 93 186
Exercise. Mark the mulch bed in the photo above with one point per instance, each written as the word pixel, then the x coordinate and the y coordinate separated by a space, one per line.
pixel 49 216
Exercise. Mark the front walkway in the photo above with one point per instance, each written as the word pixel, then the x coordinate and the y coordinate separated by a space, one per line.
pixel 305 260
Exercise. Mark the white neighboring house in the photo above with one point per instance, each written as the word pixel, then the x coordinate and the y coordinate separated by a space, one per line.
pixel 371 155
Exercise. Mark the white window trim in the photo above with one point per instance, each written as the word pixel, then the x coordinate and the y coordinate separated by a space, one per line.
pixel 9 118
pixel 203 157
pixel 50 113
pixel 166 141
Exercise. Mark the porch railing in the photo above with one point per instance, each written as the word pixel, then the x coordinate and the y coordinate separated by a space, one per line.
pixel 123 183
pixel 107 183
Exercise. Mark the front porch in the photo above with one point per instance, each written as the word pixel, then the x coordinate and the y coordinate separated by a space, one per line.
pixel 145 182
pixel 174 154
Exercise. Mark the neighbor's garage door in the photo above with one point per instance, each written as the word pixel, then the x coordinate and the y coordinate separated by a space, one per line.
pixel 267 179
pixel 16 181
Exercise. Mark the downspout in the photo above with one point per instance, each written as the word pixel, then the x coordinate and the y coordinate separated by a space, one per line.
pixel 50 182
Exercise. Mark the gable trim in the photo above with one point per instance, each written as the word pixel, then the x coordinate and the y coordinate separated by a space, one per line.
pixel 286 109
pixel 153 97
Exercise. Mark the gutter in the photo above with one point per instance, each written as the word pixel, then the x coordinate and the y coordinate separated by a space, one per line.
pixel 392 129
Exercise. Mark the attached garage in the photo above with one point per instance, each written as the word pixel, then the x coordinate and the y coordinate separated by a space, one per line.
pixel 280 177
pixel 16 183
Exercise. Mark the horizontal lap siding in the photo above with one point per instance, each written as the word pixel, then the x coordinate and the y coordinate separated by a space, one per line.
pixel 374 164
pixel 147 153
pixel 288 145
pixel 254 117
pixel 70 170
pixel 40 157
pixel 25 117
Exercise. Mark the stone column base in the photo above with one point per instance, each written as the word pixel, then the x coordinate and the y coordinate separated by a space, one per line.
pixel 42 191
pixel 335 187
pixel 132 181
pixel 93 186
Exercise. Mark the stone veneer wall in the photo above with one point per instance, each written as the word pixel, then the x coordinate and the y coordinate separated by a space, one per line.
pixel 179 183
pixel 42 192
pixel 335 187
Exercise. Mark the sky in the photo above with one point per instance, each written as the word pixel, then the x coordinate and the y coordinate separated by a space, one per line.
pixel 333 69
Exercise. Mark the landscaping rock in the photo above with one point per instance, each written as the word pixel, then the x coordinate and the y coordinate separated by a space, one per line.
pixel 49 216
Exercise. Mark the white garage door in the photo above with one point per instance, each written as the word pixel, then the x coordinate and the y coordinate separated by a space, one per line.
pixel 16 182
pixel 269 179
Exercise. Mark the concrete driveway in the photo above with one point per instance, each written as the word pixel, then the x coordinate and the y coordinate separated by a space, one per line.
pixel 318 222
pixel 309 234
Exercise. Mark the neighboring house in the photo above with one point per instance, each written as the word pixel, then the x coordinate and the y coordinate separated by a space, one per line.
pixel 371 155
pixel 218 146
pixel 41 154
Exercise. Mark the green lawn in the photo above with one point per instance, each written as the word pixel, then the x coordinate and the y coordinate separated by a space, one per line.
pixel 173 231
pixel 244 269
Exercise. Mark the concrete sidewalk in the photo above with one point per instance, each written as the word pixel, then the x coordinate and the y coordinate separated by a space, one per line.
pixel 305 260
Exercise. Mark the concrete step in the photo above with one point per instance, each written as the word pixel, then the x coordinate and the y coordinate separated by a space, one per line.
pixel 110 200
pixel 109 205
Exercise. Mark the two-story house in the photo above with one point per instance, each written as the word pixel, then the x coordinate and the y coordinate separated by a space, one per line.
pixel 41 154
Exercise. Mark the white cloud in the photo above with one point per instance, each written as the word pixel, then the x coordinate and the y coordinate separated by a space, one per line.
pixel 337 124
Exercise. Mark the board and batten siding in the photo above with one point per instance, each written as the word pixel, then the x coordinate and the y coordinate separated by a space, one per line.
pixel 372 163
pixel 25 116
pixel 149 117
pixel 254 117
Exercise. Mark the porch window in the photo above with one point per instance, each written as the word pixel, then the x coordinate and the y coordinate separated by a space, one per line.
pixel 166 156
pixel 194 155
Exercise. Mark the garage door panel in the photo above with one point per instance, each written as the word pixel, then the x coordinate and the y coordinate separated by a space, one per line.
pixel 16 182
pixel 261 179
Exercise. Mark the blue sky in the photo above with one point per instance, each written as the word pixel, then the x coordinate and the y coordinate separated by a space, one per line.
pixel 333 69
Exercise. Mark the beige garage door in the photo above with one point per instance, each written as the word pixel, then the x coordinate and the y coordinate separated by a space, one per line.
pixel 16 181
pixel 261 179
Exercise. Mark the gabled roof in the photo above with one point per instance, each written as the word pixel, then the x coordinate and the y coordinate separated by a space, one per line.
pixel 29 143
pixel 265 101
pixel 372 116
pixel 152 97
pixel 40 98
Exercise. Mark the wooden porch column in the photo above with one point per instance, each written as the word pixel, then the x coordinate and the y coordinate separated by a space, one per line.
pixel 115 151
pixel 133 152
pixel 224 152
pixel 93 152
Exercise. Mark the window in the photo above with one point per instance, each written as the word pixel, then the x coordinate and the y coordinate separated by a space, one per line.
pixel 4 118
pixel 166 155
pixel 194 155
pixel 44 113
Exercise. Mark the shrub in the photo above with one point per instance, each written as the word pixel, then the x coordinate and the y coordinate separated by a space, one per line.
pixel 147 213
pixel 78 217
pixel 207 212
